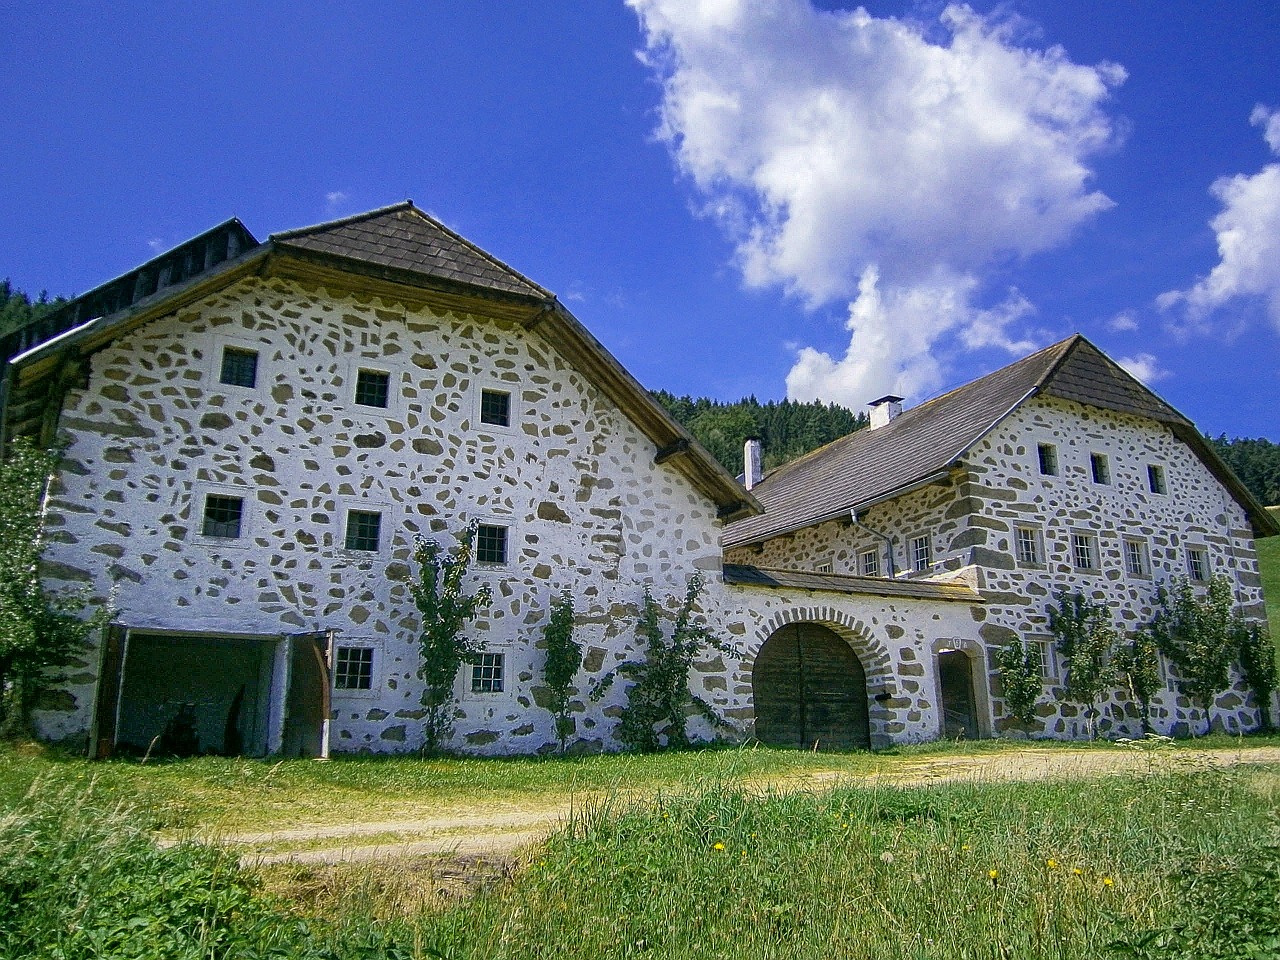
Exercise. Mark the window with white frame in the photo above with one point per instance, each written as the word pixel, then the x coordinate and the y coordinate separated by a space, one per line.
pixel 491 543
pixel 353 668
pixel 921 553
pixel 824 567
pixel 1028 546
pixel 1048 456
pixel 239 367
pixel 869 563
pixel 1155 478
pixel 364 530
pixel 1137 558
pixel 1048 658
pixel 1100 467
pixel 495 408
pixel 1084 552
pixel 488 673
pixel 373 388
pixel 1198 564
pixel 223 517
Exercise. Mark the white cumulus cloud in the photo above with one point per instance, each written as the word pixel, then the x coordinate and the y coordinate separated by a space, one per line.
pixel 1248 230
pixel 1145 367
pixel 830 144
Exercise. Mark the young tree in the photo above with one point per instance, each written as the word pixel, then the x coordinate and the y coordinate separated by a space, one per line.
pixel 1258 659
pixel 1019 666
pixel 1086 638
pixel 444 607
pixel 658 697
pixel 1196 634
pixel 1137 662
pixel 563 658
pixel 40 632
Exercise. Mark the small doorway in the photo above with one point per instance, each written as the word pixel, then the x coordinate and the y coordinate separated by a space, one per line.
pixel 810 691
pixel 959 705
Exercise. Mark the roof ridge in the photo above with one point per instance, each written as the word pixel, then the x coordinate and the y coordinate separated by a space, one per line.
pixel 342 221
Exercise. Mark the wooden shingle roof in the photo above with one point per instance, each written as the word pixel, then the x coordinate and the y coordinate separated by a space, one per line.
pixel 924 443
pixel 402 238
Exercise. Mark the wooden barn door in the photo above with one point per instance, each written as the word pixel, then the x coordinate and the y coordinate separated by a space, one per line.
pixel 810 691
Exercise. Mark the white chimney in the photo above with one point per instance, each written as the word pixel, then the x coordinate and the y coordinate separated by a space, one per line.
pixel 752 472
pixel 885 410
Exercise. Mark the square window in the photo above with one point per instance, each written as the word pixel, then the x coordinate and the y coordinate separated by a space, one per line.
pixel 495 408
pixel 222 516
pixel 1048 454
pixel 921 554
pixel 1027 546
pixel 1197 564
pixel 491 543
pixel 1155 478
pixel 869 563
pixel 239 367
pixel 373 388
pixel 1084 551
pixel 487 673
pixel 1099 467
pixel 364 527
pixel 1137 558
pixel 353 668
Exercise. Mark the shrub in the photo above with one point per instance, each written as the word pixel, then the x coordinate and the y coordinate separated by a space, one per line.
pixel 445 608
pixel 1138 663
pixel 563 658
pixel 1019 666
pixel 1258 659
pixel 1086 638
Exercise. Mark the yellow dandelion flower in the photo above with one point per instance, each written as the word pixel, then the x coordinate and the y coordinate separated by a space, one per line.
pixel 1108 882
pixel 718 846
pixel 993 874
pixel 1051 863
pixel 966 848
pixel 1076 871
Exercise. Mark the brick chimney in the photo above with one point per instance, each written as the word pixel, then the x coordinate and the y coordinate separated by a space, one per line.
pixel 885 410
pixel 752 471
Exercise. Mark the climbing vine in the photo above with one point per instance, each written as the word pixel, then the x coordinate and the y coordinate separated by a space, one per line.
pixel 658 695
pixel 444 607
pixel 1019 667
pixel 1086 639
pixel 563 659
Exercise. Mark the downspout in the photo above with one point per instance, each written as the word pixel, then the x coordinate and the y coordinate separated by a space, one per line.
pixel 876 533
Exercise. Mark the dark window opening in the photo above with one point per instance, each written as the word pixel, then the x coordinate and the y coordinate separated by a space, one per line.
pixel 495 408
pixel 1048 459
pixel 1100 468
pixel 1155 478
pixel 239 367
pixel 491 544
pixel 487 674
pixel 222 516
pixel 373 388
pixel 353 668
pixel 363 529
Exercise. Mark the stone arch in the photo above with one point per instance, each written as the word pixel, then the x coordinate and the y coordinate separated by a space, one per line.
pixel 863 672
pixel 944 678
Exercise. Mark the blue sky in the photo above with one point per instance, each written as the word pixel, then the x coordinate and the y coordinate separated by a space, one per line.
pixel 737 197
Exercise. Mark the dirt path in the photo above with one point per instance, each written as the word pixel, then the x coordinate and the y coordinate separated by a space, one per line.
pixel 503 832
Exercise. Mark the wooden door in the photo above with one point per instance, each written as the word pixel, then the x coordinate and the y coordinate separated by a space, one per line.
pixel 810 691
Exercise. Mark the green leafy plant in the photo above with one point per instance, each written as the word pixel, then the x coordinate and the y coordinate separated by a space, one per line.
pixel 658 697
pixel 1198 635
pixel 563 659
pixel 1086 638
pixel 1019 667
pixel 41 632
pixel 444 608
pixel 1258 660
pixel 1137 662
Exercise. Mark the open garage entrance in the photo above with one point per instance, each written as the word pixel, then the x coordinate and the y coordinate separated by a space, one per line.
pixel 810 691
pixel 172 694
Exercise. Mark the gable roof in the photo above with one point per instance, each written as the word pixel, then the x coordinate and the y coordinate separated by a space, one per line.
pixel 402 238
pixel 397 252
pixel 923 444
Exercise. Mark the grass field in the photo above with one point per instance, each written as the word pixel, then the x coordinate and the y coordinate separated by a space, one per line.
pixel 1179 852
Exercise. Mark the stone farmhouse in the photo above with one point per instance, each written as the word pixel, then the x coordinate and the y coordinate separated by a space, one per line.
pixel 256 433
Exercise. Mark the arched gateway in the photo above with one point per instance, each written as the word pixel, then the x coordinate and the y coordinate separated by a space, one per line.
pixel 810 691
